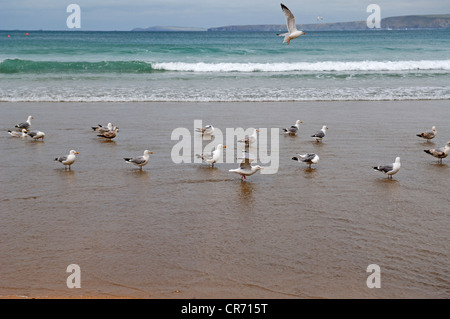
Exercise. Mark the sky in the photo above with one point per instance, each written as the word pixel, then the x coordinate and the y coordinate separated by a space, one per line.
pixel 124 15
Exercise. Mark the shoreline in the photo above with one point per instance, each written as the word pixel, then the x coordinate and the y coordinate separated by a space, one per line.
pixel 145 235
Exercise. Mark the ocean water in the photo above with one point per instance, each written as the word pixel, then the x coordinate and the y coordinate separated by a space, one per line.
pixel 223 66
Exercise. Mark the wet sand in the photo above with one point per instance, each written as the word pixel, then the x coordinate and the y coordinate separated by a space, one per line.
pixel 191 231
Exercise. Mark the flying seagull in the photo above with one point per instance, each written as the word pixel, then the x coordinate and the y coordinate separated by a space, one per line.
pixel 439 153
pixel 309 158
pixel 292 28
pixel 67 159
pixel 214 156
pixel 428 135
pixel 389 169
pixel 140 160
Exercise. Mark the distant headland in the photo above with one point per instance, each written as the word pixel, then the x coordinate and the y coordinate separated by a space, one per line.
pixel 435 21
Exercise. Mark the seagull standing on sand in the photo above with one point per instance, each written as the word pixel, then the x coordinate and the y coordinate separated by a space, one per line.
pixel 439 153
pixel 309 158
pixel 207 130
pixel 26 125
pixel 68 159
pixel 320 134
pixel 292 130
pixel 292 28
pixel 36 135
pixel 214 156
pixel 389 169
pixel 140 160
pixel 428 135
pixel 18 134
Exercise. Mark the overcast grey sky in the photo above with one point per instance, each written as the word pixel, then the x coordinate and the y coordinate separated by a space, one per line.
pixel 128 14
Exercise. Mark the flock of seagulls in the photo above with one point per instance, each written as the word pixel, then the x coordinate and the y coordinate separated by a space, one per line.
pixel 22 130
pixel 245 168
pixel 109 131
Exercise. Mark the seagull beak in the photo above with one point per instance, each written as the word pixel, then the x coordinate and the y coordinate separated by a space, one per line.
pixel 224 146
pixel 262 167
pixel 77 153
pixel 151 152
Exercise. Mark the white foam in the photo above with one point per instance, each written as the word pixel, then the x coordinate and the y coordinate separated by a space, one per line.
pixel 306 66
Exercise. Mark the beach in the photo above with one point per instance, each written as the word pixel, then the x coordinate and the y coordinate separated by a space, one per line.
pixel 186 230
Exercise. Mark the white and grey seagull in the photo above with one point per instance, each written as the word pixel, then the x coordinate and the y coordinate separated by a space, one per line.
pixel 26 125
pixel 439 153
pixel 320 134
pixel 293 129
pixel 35 135
pixel 250 139
pixel 139 160
pixel 23 133
pixel 308 158
pixel 67 160
pixel 101 129
pixel 246 169
pixel 214 156
pixel 292 33
pixel 389 169
pixel 428 135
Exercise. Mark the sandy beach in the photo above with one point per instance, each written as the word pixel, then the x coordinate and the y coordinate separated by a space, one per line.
pixel 190 231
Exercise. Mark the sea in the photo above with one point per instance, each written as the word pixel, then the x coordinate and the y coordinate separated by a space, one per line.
pixel 85 66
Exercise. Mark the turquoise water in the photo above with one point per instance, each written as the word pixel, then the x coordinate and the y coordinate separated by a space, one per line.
pixel 224 66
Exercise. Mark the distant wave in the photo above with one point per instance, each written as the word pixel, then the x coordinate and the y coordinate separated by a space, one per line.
pixel 11 66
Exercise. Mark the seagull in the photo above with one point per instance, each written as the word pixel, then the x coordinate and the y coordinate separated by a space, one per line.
pixel 18 134
pixel 67 159
pixel 214 156
pixel 320 134
pixel 428 135
pixel 100 128
pixel 139 160
pixel 246 169
pixel 293 129
pixel 36 135
pixel 250 139
pixel 207 130
pixel 439 153
pixel 26 125
pixel 292 28
pixel 109 134
pixel 309 158
pixel 389 169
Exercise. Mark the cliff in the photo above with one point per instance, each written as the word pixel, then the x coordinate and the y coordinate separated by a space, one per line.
pixel 441 21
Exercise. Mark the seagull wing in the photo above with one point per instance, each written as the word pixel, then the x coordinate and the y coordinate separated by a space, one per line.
pixel 290 20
